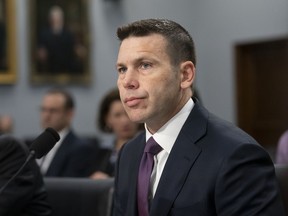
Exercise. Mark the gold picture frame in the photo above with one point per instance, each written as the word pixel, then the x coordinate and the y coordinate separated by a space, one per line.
pixel 8 61
pixel 59 42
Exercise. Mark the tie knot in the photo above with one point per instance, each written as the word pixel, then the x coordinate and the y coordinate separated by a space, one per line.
pixel 152 146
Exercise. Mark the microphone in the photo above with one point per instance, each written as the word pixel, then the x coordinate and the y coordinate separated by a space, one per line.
pixel 39 147
pixel 44 143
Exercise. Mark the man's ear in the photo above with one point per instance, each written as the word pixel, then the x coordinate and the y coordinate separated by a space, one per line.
pixel 71 113
pixel 187 74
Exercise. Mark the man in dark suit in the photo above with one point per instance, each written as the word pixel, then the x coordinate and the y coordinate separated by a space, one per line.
pixel 25 195
pixel 205 165
pixel 71 156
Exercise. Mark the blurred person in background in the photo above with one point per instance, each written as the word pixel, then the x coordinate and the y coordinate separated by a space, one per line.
pixel 282 149
pixel 113 119
pixel 6 124
pixel 72 156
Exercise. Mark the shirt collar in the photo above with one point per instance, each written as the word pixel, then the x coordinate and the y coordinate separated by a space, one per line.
pixel 167 134
pixel 63 133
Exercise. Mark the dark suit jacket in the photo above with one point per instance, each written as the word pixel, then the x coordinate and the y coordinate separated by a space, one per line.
pixel 105 164
pixel 25 195
pixel 214 168
pixel 74 158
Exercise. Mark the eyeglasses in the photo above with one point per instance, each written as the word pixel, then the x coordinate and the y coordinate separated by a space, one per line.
pixel 50 110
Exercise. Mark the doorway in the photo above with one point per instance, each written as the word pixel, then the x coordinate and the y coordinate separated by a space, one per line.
pixel 262 89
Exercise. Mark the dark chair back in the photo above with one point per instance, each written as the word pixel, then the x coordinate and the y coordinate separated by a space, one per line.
pixel 79 196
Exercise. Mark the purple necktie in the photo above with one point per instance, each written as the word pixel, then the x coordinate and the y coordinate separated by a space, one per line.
pixel 146 166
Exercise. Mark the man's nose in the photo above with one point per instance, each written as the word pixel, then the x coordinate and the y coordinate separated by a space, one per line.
pixel 131 80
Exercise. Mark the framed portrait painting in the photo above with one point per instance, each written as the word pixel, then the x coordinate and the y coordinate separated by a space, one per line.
pixel 7 42
pixel 59 42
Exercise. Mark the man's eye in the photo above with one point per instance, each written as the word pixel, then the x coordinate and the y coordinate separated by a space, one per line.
pixel 145 65
pixel 122 70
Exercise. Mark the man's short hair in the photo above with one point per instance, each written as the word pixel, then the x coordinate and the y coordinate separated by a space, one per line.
pixel 180 45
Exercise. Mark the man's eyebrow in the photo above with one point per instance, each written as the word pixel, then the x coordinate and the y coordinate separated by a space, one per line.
pixel 136 60
pixel 119 65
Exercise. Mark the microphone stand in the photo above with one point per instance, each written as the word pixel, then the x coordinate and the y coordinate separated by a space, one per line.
pixel 30 156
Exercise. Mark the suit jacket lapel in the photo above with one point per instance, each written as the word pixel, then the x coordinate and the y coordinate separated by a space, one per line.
pixel 56 166
pixel 182 157
pixel 137 152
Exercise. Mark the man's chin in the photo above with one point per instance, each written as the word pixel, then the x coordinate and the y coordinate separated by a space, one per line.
pixel 49 126
pixel 136 118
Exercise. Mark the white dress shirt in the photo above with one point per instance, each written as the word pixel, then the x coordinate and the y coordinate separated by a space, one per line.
pixel 166 137
pixel 45 161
